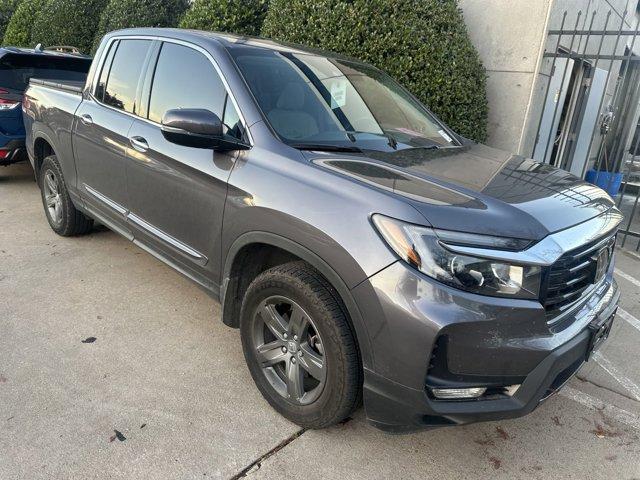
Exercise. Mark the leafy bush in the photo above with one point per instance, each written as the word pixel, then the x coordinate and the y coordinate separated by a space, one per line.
pixel 422 43
pixel 19 29
pixel 7 7
pixel 140 13
pixel 243 17
pixel 68 22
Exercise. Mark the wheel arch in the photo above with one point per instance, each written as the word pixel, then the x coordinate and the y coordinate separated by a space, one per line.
pixel 42 148
pixel 231 289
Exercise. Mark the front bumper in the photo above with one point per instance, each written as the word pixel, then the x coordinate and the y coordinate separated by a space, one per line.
pixel 489 341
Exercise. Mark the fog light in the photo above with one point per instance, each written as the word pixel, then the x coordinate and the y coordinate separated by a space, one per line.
pixel 511 390
pixel 458 393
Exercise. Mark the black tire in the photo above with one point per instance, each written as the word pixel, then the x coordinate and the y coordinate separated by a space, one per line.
pixel 64 218
pixel 329 324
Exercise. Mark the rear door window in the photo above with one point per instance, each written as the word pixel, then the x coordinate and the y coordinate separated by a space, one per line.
pixel 104 74
pixel 124 75
pixel 186 78
pixel 17 69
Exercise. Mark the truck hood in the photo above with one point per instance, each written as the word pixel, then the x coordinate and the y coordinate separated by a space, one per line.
pixel 479 189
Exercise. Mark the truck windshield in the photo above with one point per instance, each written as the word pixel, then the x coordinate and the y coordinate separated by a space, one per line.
pixel 314 100
pixel 16 69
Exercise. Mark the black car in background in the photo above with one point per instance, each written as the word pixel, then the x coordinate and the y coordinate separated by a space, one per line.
pixel 17 66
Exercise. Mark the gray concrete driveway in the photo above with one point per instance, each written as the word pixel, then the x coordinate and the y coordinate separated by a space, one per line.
pixel 163 391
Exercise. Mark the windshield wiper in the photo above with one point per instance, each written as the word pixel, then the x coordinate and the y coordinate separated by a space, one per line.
pixel 427 147
pixel 391 140
pixel 393 143
pixel 325 148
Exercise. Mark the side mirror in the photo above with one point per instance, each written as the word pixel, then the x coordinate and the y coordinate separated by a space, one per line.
pixel 198 128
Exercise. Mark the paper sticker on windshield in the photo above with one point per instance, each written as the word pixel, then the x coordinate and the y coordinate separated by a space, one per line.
pixel 338 94
pixel 444 135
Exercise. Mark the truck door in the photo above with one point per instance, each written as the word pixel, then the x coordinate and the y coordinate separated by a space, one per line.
pixel 177 193
pixel 103 121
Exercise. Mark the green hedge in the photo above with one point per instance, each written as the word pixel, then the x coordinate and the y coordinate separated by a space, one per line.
pixel 140 13
pixel 422 43
pixel 243 17
pixel 7 7
pixel 68 22
pixel 19 29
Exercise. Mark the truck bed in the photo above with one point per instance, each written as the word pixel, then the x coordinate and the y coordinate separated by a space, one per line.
pixel 65 85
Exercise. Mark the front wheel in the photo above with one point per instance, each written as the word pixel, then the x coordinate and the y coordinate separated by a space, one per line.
pixel 299 346
pixel 64 218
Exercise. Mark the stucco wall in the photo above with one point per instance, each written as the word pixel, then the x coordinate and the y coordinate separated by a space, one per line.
pixel 508 36
pixel 511 36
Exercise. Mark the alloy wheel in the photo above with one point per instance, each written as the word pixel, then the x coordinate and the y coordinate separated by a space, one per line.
pixel 289 350
pixel 52 198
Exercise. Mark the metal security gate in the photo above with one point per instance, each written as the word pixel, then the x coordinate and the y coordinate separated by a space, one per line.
pixel 589 121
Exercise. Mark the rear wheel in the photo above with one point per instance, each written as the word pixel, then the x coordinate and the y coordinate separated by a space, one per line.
pixel 64 218
pixel 299 346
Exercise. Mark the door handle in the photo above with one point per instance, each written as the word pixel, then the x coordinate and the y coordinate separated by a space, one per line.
pixel 86 119
pixel 139 144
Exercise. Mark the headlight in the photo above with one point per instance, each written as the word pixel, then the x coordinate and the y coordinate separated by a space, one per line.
pixel 424 249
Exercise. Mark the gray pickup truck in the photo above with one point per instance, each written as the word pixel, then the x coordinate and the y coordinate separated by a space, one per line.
pixel 364 249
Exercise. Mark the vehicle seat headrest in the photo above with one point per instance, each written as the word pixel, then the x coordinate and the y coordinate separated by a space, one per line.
pixel 292 97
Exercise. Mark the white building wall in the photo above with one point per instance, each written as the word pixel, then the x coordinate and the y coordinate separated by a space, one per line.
pixel 511 36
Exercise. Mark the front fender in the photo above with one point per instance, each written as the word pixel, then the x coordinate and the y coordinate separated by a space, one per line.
pixel 359 326
pixel 276 197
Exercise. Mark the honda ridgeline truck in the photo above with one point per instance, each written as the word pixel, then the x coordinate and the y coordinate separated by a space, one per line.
pixel 365 250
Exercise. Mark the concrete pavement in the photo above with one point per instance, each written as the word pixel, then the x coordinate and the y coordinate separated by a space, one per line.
pixel 163 391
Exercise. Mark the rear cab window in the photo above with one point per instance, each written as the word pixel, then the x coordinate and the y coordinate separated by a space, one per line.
pixel 119 81
pixel 17 69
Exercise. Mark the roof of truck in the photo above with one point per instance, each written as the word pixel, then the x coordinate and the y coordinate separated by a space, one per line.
pixel 229 41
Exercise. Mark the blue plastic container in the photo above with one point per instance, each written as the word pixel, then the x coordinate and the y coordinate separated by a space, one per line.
pixel 610 182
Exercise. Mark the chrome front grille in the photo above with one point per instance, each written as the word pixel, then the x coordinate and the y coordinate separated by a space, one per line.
pixel 574 273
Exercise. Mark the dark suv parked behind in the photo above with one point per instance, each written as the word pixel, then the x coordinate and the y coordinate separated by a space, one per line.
pixel 363 248
pixel 17 66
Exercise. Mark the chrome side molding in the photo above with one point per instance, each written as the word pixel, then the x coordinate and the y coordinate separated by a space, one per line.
pixel 106 200
pixel 146 226
pixel 156 232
